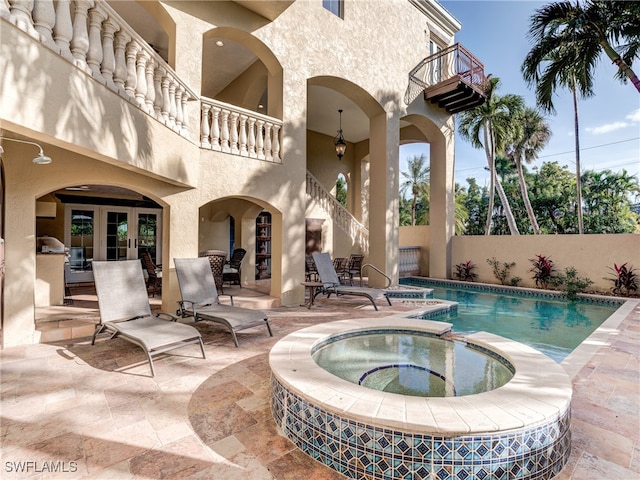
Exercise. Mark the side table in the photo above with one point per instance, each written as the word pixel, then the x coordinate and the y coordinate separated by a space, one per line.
pixel 313 288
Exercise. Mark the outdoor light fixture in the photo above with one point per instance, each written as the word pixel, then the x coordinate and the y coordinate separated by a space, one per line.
pixel 41 159
pixel 341 145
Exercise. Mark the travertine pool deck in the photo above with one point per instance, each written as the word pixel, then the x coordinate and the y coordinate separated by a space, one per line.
pixel 96 411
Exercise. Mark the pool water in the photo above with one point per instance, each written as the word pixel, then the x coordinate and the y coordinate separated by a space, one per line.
pixel 411 363
pixel 553 326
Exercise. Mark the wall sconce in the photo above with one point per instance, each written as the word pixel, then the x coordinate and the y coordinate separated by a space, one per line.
pixel 341 145
pixel 41 159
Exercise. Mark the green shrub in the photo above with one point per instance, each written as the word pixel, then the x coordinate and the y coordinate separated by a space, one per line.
pixel 501 272
pixel 570 282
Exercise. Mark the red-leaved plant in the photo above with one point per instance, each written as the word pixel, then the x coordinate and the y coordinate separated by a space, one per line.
pixel 625 280
pixel 465 271
pixel 542 270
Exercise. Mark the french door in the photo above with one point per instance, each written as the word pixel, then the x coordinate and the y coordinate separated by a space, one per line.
pixel 113 233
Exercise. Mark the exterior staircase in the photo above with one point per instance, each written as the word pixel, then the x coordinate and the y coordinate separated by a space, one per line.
pixel 340 215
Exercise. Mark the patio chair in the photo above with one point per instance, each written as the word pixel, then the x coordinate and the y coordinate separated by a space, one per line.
pixel 232 268
pixel 154 272
pixel 217 259
pixel 310 270
pixel 331 282
pixel 340 266
pixel 353 267
pixel 200 299
pixel 125 312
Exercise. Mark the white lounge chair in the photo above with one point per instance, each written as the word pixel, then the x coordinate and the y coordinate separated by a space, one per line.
pixel 331 282
pixel 200 299
pixel 125 311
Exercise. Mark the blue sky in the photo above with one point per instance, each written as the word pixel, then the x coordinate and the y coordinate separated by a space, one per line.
pixel 496 32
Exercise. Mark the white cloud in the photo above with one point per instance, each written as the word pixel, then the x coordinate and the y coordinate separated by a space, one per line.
pixel 607 128
pixel 634 116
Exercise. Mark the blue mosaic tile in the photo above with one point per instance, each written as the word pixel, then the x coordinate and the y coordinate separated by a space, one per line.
pixel 358 450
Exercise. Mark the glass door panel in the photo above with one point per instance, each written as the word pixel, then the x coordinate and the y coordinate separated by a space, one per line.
pixel 148 235
pixel 117 237
pixel 81 240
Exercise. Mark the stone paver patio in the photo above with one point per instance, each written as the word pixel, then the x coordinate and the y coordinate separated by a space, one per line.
pixel 94 411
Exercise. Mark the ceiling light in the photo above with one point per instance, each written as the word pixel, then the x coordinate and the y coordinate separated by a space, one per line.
pixel 41 159
pixel 220 43
pixel 341 145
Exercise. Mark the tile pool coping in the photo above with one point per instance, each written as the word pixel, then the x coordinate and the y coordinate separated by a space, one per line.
pixel 540 390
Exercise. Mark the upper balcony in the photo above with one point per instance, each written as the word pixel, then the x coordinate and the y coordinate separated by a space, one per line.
pixel 116 54
pixel 453 79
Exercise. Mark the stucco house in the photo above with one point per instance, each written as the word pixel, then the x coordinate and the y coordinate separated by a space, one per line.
pixel 179 127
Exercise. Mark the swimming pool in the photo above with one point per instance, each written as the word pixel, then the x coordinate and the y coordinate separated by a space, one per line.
pixel 543 320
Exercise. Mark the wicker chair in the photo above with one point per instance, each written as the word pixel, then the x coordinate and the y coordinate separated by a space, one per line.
pixel 231 271
pixel 154 272
pixel 217 259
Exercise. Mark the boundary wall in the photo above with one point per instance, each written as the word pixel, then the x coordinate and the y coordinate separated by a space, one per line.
pixel 591 255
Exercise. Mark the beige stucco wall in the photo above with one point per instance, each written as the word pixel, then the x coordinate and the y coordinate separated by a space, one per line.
pixel 97 137
pixel 591 255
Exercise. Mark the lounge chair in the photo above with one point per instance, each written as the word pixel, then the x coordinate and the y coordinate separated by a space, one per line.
pixel 200 299
pixel 331 282
pixel 125 311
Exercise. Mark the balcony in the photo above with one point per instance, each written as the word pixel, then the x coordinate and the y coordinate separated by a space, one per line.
pixel 96 40
pixel 452 79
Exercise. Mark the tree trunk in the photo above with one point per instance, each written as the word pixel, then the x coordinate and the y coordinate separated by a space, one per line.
pixel 525 198
pixel 578 169
pixel 621 64
pixel 413 211
pixel 511 221
pixel 492 182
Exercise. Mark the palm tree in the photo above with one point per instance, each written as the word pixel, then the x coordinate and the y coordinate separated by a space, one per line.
pixel 531 135
pixel 461 215
pixel 416 181
pixel 492 120
pixel 568 40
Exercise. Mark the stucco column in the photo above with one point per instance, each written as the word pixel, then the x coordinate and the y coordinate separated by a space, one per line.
pixel 20 249
pixel 180 222
pixel 441 210
pixel 383 197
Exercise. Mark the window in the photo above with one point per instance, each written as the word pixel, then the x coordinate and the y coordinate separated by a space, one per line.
pixel 334 6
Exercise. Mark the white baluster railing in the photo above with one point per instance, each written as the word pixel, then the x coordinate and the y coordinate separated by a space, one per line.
pixel 340 215
pixel 102 44
pixel 231 129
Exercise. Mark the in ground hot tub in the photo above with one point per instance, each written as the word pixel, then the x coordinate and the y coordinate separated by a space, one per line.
pixel 412 363
pixel 517 430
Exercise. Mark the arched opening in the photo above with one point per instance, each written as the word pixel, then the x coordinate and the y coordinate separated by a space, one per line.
pixel 339 183
pixel 244 223
pixel 239 69
pixel 80 224
pixel 424 137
